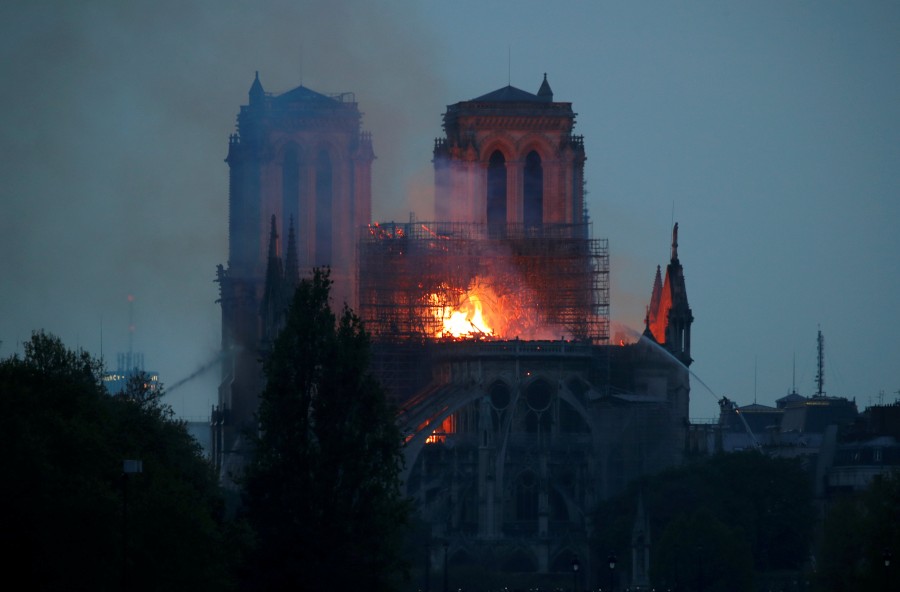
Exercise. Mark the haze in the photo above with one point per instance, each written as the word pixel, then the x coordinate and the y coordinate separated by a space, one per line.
pixel 769 130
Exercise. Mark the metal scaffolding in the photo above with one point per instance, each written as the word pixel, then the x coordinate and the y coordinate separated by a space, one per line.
pixel 552 280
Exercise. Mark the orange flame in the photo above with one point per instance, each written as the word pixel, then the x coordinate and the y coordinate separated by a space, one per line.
pixel 471 316
pixel 481 311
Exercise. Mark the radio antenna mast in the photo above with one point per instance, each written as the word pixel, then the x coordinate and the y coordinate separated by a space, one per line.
pixel 820 374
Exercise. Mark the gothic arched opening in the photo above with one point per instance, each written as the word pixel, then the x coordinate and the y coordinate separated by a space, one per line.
pixel 533 191
pixel 500 395
pixel 496 190
pixel 539 394
pixel 324 200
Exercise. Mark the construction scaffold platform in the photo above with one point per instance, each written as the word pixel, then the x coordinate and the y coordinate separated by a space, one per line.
pixel 549 281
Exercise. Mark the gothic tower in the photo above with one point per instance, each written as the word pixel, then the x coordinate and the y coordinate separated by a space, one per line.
pixel 301 159
pixel 509 157
pixel 669 316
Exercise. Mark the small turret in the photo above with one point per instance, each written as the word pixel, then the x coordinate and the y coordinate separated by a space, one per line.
pixel 257 94
pixel 545 92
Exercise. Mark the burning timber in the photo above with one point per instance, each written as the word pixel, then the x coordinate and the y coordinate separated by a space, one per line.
pixel 515 282
pixel 424 286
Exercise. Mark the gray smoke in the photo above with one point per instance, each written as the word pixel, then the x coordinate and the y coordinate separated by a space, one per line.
pixel 116 120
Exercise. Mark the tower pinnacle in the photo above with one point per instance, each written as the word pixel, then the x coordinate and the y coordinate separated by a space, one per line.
pixel 545 93
pixel 257 94
pixel 675 242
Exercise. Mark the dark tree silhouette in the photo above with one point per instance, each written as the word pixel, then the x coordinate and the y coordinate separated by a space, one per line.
pixel 64 440
pixel 861 530
pixel 765 503
pixel 323 492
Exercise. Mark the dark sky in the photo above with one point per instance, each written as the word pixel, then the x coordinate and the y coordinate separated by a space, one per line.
pixel 769 130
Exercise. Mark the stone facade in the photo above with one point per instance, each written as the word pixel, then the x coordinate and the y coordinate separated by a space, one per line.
pixel 511 443
pixel 301 158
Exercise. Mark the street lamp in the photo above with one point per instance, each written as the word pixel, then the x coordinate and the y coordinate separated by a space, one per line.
pixel 575 567
pixel 611 560
pixel 886 556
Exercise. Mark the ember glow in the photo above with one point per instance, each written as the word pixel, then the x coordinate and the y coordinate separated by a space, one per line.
pixel 482 311
pixel 458 281
pixel 474 314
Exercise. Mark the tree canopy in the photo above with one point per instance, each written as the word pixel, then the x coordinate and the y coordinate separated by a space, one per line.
pixel 747 512
pixel 859 531
pixel 322 492
pixel 66 520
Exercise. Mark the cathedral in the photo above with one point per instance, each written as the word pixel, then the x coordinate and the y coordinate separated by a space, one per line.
pixel 490 324
pixel 300 158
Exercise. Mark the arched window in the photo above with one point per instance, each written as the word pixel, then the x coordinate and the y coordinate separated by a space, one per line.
pixel 496 190
pixel 533 191
pixel 324 200
pixel 290 191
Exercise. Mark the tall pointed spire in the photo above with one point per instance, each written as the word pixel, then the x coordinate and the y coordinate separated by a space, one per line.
pixel 273 240
pixel 678 316
pixel 291 265
pixel 640 545
pixel 669 316
pixel 655 294
pixel 272 305
pixel 675 243
pixel 655 320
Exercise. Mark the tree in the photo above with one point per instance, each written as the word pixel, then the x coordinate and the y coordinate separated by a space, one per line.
pixel 700 552
pixel 64 440
pixel 322 492
pixel 859 529
pixel 765 503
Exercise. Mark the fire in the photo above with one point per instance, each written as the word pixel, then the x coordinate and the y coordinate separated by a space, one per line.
pixel 448 426
pixel 475 314
pixel 482 311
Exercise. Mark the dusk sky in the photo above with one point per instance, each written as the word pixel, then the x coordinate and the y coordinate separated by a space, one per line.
pixel 770 131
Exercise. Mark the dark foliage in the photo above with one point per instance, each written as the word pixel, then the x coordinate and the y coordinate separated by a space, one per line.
pixel 859 530
pixel 762 505
pixel 64 440
pixel 323 492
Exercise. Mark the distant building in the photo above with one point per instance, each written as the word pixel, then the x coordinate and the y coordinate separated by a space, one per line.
pixel 845 450
pixel 797 426
pixel 868 448
pixel 748 427
pixel 128 365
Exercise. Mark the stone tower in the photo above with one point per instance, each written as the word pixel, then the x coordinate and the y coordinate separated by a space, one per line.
pixel 302 158
pixel 669 316
pixel 519 436
pixel 509 157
